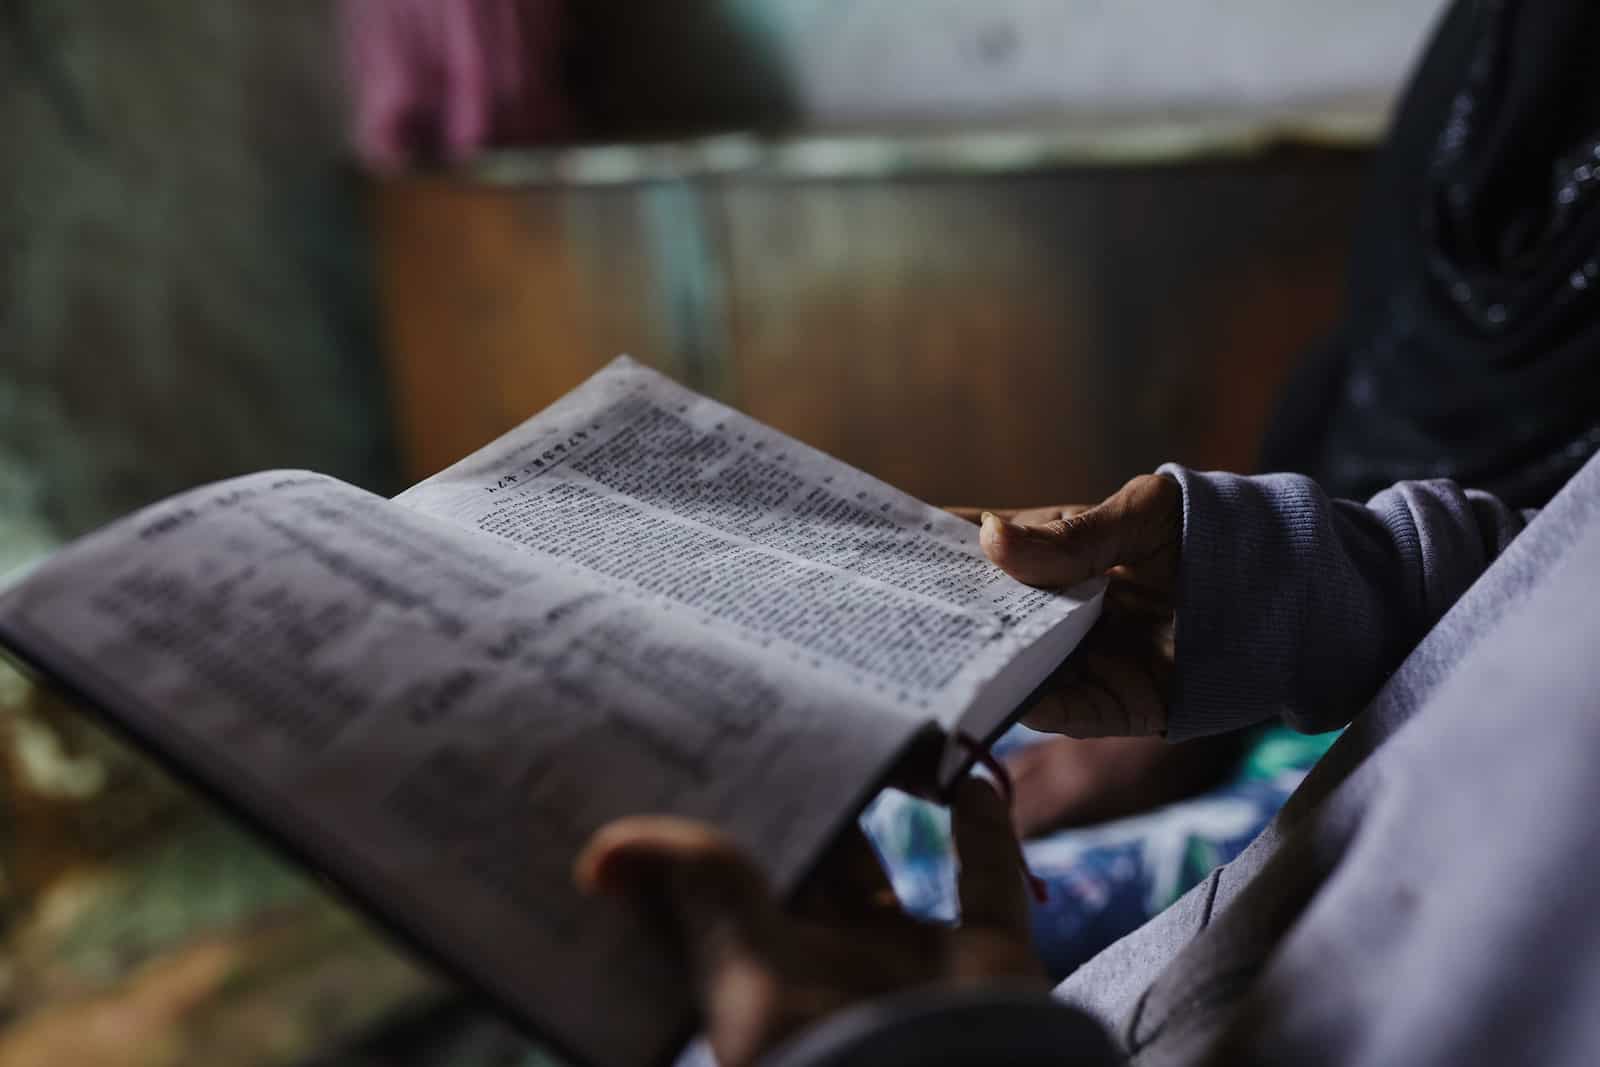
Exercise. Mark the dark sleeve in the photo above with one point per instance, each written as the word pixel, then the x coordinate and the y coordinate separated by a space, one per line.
pixel 972 1026
pixel 1296 605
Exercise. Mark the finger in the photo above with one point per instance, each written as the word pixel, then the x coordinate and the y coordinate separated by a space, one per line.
pixel 1061 552
pixel 623 855
pixel 849 883
pixel 1132 601
pixel 717 899
pixel 1103 694
pixel 1132 680
pixel 1025 516
pixel 1139 522
pixel 989 878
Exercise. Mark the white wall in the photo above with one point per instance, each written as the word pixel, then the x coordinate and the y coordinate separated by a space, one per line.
pixel 865 60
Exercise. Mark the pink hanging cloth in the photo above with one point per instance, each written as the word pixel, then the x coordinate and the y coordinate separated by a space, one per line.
pixel 437 81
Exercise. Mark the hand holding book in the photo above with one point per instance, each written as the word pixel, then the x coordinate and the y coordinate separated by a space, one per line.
pixel 762 972
pixel 1119 682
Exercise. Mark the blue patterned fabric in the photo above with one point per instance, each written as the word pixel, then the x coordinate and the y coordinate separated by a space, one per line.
pixel 1104 880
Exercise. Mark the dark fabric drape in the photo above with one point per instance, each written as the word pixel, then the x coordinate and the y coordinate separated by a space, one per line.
pixel 1470 343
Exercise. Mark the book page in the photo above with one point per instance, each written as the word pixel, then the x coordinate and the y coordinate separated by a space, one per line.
pixel 439 721
pixel 672 497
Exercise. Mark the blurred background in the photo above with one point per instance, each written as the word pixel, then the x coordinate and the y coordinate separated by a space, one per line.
pixel 1007 252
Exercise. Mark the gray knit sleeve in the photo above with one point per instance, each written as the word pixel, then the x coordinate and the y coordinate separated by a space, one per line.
pixel 1293 604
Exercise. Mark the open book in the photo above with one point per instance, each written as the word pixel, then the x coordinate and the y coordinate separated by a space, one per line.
pixel 637 601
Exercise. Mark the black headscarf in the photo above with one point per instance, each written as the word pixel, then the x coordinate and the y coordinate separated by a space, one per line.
pixel 1470 343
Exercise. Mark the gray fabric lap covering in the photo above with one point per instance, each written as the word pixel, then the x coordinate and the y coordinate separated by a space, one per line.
pixel 1428 895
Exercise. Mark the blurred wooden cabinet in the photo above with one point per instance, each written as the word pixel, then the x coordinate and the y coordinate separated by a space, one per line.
pixel 1012 335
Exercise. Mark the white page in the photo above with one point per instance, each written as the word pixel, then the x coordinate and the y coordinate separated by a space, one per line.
pixel 674 498
pixel 440 721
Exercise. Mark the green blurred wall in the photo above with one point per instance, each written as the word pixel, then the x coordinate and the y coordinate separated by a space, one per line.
pixel 184 290
pixel 184 295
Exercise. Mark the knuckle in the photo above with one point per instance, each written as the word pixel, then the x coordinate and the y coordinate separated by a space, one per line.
pixel 1070 527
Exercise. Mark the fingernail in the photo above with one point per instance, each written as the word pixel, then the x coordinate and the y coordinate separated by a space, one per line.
pixel 990 523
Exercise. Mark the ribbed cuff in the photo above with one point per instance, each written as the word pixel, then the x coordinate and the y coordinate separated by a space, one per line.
pixel 1238 633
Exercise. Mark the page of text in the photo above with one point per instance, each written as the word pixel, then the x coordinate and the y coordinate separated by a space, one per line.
pixel 676 499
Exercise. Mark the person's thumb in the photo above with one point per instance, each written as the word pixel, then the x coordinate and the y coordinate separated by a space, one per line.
pixel 1124 529
pixel 715 898
pixel 1062 552
pixel 718 904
